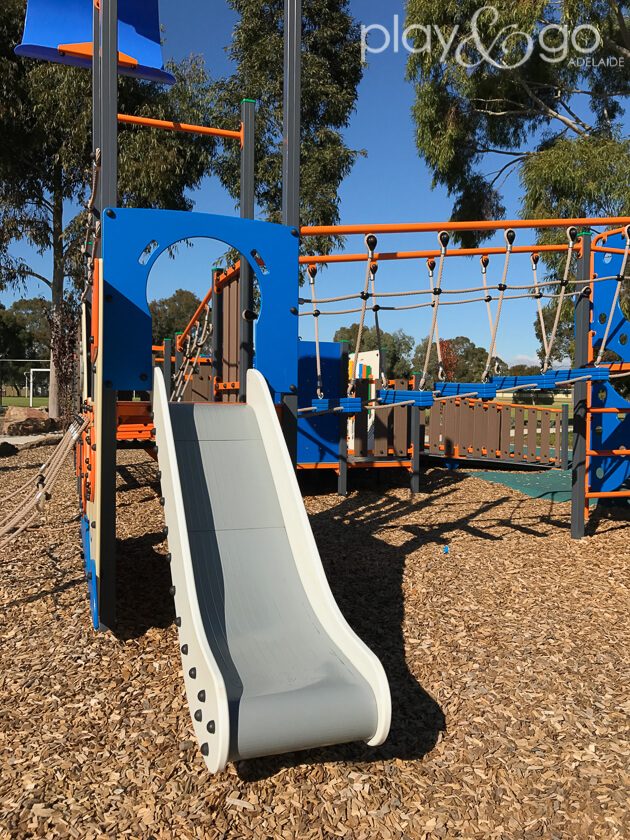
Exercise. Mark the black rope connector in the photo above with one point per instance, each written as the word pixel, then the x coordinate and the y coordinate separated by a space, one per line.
pixel 365 295
pixel 371 242
pixel 538 296
pixel 485 261
pixel 431 264
pixel 312 271
pixel 444 238
pixel 572 233
pixel 294 309
pixel 437 292
pixel 489 298
pixel 250 316
pixel 510 236
pixel 376 308
pixel 374 268
pixel 316 313
pixel 535 259
pixel 502 287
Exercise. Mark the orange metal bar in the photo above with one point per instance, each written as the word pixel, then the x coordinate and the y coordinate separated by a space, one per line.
pixel 610 410
pixel 429 254
pixel 433 227
pixel 617 494
pixel 608 453
pixel 168 125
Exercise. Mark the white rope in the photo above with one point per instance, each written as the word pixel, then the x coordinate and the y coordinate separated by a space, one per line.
pixel 444 238
pixel 572 235
pixel 312 274
pixel 371 243
pixel 510 237
pixel 535 258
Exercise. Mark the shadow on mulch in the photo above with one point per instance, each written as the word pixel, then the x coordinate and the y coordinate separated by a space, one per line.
pixel 143 580
pixel 608 512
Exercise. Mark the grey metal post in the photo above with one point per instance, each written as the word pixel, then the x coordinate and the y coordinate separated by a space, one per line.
pixel 167 366
pixel 108 95
pixel 417 448
pixel 580 393
pixel 246 280
pixel 564 444
pixel 291 167
pixel 292 113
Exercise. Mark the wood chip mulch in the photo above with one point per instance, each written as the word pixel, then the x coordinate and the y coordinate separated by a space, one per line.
pixel 507 658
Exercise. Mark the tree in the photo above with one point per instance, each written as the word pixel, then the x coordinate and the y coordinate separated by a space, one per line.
pixel 552 117
pixel 466 361
pixel 524 370
pixel 396 348
pixel 331 72
pixel 45 123
pixel 16 342
pixel 528 96
pixel 170 315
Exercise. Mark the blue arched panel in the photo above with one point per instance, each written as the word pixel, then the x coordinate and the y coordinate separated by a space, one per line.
pixel 51 24
pixel 126 340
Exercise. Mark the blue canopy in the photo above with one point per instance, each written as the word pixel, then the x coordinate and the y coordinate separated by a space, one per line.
pixel 61 31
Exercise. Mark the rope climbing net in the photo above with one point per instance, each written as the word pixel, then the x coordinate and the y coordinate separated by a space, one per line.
pixel 563 285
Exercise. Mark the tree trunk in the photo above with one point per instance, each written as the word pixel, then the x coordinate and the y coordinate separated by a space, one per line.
pixel 54 408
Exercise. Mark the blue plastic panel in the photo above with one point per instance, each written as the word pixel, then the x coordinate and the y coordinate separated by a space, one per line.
pixel 126 339
pixel 609 265
pixel 609 432
pixel 421 399
pixel 90 571
pixel 51 23
pixel 318 437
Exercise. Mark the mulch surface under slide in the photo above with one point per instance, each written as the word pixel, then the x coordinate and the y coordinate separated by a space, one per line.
pixel 507 659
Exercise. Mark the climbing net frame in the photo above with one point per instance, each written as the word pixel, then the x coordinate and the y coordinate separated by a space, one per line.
pixel 370 300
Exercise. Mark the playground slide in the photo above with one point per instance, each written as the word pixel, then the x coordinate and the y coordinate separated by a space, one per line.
pixel 270 664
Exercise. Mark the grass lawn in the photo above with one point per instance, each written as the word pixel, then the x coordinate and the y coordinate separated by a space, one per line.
pixel 38 402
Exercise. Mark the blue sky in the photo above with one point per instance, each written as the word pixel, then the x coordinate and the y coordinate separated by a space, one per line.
pixel 390 184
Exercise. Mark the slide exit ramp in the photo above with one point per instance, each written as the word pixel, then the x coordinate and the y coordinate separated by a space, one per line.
pixel 270 664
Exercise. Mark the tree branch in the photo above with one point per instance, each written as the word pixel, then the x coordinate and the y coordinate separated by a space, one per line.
pixel 30 273
pixel 547 109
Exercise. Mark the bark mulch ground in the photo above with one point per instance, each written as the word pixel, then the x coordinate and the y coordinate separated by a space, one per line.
pixel 506 654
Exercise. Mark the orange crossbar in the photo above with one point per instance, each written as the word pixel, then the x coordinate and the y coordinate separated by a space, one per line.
pixel 430 254
pixel 168 125
pixel 617 494
pixel 433 227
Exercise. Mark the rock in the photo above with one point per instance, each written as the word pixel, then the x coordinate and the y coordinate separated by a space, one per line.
pixel 7 449
pixel 26 421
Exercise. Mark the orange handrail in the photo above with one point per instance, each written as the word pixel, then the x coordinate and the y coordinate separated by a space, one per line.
pixel 433 227
pixel 168 125
pixel 218 285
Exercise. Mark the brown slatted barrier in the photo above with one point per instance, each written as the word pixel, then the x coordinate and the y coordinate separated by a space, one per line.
pixel 493 430
pixel 519 433
pixel 532 434
pixel 382 432
pixel 436 425
pixel 401 424
pixel 452 416
pixel 231 337
pixel 506 432
pixel 481 443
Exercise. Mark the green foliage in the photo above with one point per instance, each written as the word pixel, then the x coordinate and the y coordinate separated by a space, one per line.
pixel 24 334
pixel 396 348
pixel 170 315
pixel 331 72
pixel 568 112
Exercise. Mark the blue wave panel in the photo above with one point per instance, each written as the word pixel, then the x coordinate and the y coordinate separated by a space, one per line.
pixel 51 24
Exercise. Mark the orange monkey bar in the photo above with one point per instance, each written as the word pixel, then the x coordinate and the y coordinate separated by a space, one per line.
pixel 168 125
pixel 432 227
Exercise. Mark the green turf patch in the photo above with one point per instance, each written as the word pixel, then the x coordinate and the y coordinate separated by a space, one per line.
pixel 554 485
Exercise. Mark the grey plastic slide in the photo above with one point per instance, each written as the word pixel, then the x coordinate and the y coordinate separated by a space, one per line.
pixel 270 664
